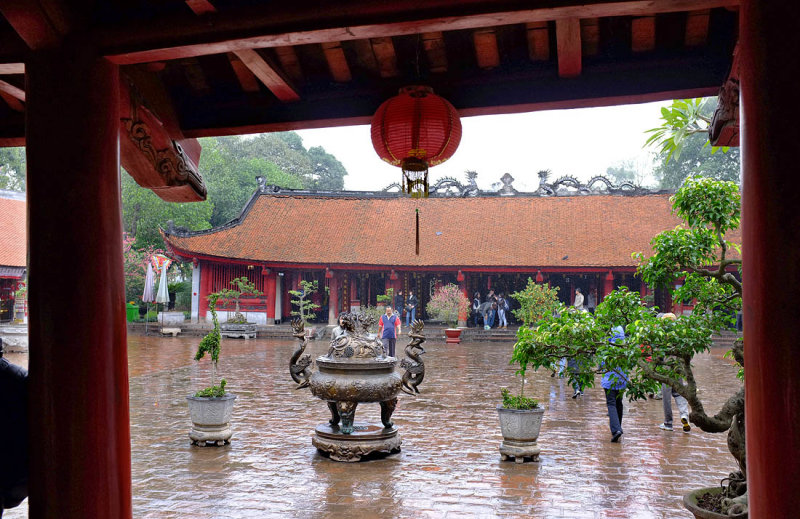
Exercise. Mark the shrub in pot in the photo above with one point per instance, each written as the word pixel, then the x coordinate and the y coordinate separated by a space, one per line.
pixel 446 304
pixel 211 408
pixel 520 418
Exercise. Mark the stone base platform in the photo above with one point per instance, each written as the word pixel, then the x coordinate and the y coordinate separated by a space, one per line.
pixel 519 451
pixel 365 439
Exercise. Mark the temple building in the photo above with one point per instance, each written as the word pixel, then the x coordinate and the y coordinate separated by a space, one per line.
pixel 356 245
pixel 13 250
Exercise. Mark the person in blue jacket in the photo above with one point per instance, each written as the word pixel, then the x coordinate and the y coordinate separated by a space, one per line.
pixel 614 382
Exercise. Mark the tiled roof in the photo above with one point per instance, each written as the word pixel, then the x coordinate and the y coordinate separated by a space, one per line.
pixel 13 248
pixel 582 231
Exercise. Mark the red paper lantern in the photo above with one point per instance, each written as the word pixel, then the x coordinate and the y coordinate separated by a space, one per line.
pixel 416 130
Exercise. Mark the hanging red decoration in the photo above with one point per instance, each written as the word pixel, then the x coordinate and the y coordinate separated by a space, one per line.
pixel 460 276
pixel 416 130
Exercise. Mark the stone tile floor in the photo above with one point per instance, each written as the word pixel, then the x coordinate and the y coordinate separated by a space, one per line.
pixel 449 465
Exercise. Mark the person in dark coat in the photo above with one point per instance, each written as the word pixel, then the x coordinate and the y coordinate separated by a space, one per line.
pixel 13 416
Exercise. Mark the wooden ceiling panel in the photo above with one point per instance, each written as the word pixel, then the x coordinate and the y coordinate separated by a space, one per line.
pixel 337 62
pixel 697 28
pixel 643 33
pixel 486 53
pixel 538 41
pixel 435 53
pixel 383 49
pixel 568 37
pixel 287 57
pixel 590 36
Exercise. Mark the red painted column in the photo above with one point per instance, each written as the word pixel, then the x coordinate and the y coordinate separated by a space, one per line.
pixel 333 299
pixel 286 307
pixel 771 253
pixel 205 288
pixel 462 284
pixel 79 417
pixel 269 294
pixel 608 284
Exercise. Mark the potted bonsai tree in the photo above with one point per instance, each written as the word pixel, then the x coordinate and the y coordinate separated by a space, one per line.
pixel 302 300
pixel 447 303
pixel 238 326
pixel 211 408
pixel 660 351
pixel 521 416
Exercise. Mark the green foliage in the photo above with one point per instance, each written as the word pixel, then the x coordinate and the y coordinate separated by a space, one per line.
pixel 210 344
pixel 517 401
pixel 302 300
pixel 328 172
pixel 12 169
pixel 242 286
pixel 447 304
pixel 386 298
pixel 536 301
pixel 135 267
pixel 213 391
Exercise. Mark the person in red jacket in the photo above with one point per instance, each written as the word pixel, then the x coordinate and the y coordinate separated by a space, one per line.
pixel 388 330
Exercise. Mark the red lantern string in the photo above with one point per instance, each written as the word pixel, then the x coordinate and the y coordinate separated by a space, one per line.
pixel 417 231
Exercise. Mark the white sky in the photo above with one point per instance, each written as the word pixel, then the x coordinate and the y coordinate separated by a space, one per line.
pixel 579 142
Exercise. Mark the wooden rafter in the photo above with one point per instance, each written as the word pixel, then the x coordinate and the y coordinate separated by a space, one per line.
pixel 272 25
pixel 12 68
pixel 697 28
pixel 269 75
pixel 244 75
pixel 433 43
pixel 12 90
pixel 590 36
pixel 12 102
pixel 337 62
pixel 383 49
pixel 643 33
pixel 568 43
pixel 486 52
pixel 538 41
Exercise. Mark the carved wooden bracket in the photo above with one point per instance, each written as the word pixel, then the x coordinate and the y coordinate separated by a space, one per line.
pixel 724 127
pixel 152 156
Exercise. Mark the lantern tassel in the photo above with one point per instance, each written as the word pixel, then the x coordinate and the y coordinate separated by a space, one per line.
pixel 417 231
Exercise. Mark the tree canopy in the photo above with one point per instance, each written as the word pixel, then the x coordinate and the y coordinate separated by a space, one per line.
pixel 12 169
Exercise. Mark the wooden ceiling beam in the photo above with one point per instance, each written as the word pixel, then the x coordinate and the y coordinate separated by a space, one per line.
pixel 292 23
pixel 590 36
pixel 12 90
pixel 32 23
pixel 568 46
pixel 337 62
pixel 538 41
pixel 486 52
pixel 269 75
pixel 433 43
pixel 383 49
pixel 12 68
pixel 12 102
pixel 247 80
pixel 643 33
pixel 697 28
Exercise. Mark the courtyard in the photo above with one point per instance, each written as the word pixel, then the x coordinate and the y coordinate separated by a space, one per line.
pixel 449 465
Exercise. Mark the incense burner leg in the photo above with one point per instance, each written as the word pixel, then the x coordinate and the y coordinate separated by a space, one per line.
pixel 347 411
pixel 387 408
pixel 334 414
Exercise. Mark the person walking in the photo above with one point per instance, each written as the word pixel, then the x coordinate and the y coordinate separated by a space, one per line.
pixel 491 312
pixel 578 304
pixel 411 308
pixel 398 303
pixel 388 330
pixel 591 300
pixel 683 408
pixel 476 306
pixel 613 383
pixel 502 307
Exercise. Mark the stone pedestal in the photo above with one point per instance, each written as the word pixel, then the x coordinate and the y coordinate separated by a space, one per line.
pixel 238 331
pixel 211 419
pixel 365 439
pixel 519 450
pixel 520 429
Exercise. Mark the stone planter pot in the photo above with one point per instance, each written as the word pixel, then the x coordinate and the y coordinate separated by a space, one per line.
pixel 520 429
pixel 238 331
pixel 453 335
pixel 211 419
pixel 690 503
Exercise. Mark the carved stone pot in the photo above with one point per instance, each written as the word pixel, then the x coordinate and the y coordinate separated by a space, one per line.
pixel 520 429
pixel 453 336
pixel 690 502
pixel 238 331
pixel 211 419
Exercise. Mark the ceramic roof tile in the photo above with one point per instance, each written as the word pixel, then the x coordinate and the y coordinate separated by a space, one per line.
pixel 13 244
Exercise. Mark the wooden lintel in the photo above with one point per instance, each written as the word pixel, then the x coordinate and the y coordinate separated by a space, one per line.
pixel 643 34
pixel 486 53
pixel 568 46
pixel 538 41
pixel 246 78
pixel 12 102
pixel 337 62
pixel 433 43
pixel 590 36
pixel 12 68
pixel 12 90
pixel 268 75
pixel 697 28
pixel 272 25
pixel 383 49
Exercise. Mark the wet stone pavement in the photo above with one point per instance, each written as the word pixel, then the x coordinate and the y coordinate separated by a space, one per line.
pixel 449 465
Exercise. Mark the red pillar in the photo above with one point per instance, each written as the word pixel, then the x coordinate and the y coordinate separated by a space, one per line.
pixel 205 288
pixel 462 284
pixel 333 299
pixel 771 253
pixel 79 417
pixel 269 294
pixel 286 307
pixel 608 284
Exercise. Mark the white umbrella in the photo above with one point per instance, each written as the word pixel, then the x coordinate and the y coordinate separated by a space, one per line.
pixel 163 296
pixel 147 296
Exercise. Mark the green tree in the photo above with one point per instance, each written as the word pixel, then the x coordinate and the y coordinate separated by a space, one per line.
pixel 658 350
pixel 242 286
pixel 12 169
pixel 302 300
pixel 536 301
pixel 143 212
pixel 328 171
pixel 684 150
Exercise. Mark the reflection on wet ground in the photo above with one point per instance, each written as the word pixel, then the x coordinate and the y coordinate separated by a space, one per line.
pixel 449 465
